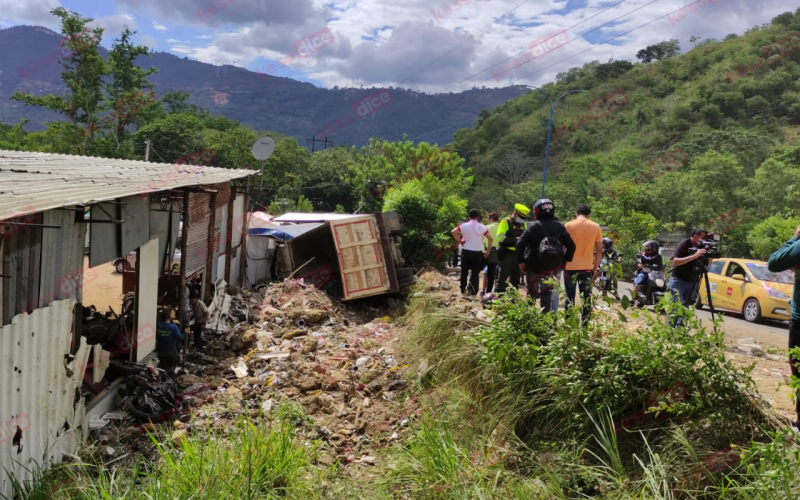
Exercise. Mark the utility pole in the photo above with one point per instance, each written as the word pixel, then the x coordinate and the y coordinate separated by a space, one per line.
pixel 314 141
pixel 147 151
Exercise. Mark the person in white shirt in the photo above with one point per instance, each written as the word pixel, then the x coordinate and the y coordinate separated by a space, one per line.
pixel 470 236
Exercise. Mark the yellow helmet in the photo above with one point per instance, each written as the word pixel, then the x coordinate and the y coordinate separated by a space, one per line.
pixel 522 209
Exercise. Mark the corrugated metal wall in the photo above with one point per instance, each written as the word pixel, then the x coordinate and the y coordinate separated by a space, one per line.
pixel 22 257
pixel 36 389
pixel 62 258
pixel 197 241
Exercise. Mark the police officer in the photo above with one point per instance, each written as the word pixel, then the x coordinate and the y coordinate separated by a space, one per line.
pixel 508 232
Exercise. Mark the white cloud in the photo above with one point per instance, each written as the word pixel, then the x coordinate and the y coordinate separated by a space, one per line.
pixel 115 24
pixel 384 42
pixel 35 12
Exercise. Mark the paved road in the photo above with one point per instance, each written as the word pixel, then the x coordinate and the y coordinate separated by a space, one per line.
pixel 769 333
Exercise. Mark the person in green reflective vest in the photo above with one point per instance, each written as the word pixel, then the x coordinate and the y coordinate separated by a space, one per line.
pixel 508 231
pixel 492 261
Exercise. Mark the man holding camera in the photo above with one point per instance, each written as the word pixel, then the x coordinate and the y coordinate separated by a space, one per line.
pixel 681 282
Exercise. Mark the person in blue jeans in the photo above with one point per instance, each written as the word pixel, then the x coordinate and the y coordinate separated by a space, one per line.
pixel 581 271
pixel 680 283
pixel 788 257
pixel 651 259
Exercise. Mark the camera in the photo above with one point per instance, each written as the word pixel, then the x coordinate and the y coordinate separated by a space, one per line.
pixel 711 246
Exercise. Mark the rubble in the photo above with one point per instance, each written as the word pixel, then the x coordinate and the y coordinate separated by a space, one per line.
pixel 292 342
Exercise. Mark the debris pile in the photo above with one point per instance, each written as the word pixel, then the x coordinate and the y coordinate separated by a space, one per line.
pixel 291 341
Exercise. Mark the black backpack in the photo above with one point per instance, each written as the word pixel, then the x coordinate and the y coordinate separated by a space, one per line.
pixel 551 251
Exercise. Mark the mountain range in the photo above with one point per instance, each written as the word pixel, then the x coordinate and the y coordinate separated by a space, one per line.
pixel 265 102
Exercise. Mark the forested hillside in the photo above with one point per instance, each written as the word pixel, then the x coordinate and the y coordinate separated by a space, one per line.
pixel 656 147
pixel 265 101
pixel 725 111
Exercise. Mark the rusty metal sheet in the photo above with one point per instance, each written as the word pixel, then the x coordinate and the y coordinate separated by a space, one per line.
pixel 22 260
pixel 197 240
pixel 39 380
pixel 223 194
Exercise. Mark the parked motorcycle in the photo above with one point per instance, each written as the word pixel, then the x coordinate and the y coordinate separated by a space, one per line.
pixel 654 288
pixel 150 394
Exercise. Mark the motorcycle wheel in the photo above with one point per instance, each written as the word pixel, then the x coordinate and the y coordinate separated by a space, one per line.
pixel 140 410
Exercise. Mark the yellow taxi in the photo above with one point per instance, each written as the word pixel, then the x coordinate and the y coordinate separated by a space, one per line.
pixel 748 287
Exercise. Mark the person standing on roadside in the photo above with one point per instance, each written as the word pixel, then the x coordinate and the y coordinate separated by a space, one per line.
pixel 582 270
pixel 540 253
pixel 492 261
pixel 788 257
pixel 471 238
pixel 680 283
pixel 201 316
pixel 509 230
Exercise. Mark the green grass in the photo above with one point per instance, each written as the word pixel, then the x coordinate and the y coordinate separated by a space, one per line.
pixel 254 459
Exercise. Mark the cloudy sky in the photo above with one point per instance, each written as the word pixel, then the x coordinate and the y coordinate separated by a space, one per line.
pixel 433 46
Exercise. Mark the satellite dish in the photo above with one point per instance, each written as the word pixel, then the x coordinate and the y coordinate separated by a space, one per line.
pixel 263 148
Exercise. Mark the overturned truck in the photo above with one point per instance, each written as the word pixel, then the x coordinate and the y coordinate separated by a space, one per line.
pixel 357 251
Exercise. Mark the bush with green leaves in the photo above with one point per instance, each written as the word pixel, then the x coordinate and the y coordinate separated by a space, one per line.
pixel 565 369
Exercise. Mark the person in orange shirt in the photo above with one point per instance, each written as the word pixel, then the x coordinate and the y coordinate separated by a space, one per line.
pixel 582 270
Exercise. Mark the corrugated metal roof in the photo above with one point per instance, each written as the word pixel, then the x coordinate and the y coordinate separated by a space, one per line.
pixel 34 182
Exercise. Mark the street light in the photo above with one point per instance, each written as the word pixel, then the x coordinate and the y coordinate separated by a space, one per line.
pixel 465 156
pixel 550 126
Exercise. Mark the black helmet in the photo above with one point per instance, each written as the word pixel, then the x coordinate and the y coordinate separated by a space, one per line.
pixel 650 247
pixel 544 207
pixel 608 242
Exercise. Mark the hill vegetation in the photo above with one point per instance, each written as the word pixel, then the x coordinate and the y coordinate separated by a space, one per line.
pixel 708 137
pixel 726 113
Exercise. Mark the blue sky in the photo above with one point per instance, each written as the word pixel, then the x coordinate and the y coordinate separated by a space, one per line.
pixel 435 46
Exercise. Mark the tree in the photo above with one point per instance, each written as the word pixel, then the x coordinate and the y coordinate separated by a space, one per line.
pixel 514 167
pixel 127 81
pixel 172 137
pixel 659 51
pixel 611 70
pixel 83 74
pixel 695 39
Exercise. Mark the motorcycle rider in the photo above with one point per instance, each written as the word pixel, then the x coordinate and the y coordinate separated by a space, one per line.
pixel 609 252
pixel 611 255
pixel 651 258
pixel 508 232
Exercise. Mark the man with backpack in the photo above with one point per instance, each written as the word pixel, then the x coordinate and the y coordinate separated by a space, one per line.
pixel 540 251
